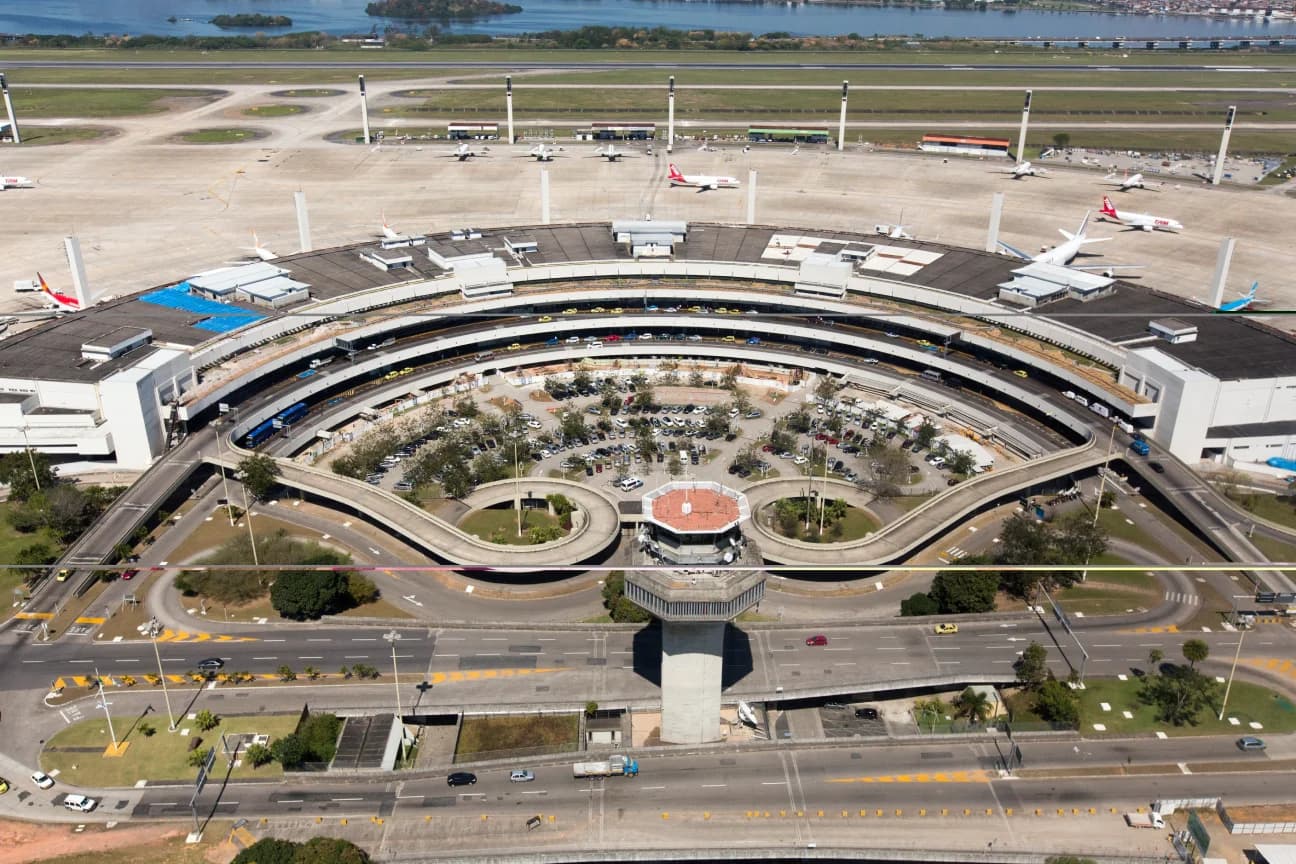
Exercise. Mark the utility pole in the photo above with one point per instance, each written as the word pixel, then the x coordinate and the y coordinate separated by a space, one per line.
pixel 1229 686
pixel 103 703
pixel 1102 486
pixel 393 637
pixel 154 630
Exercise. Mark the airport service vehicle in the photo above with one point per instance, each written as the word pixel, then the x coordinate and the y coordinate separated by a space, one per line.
pixel 1144 820
pixel 1144 221
pixel 702 182
pixel 12 182
pixel 613 766
pixel 1140 447
pixel 79 803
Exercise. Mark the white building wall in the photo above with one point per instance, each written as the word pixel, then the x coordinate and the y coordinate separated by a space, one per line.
pixel 134 410
pixel 1185 395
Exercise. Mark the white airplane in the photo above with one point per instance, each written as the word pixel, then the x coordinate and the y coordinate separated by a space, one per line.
pixel 611 154
pixel 702 182
pixel 258 250
pixel 388 233
pixel 1065 253
pixel 15 183
pixel 541 153
pixel 1024 169
pixel 464 152
pixel 1129 181
pixel 893 232
pixel 62 302
pixel 1144 221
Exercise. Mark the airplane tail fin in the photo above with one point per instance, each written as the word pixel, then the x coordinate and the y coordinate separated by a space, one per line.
pixel 675 173
pixel 1254 286
pixel 44 286
pixel 1107 208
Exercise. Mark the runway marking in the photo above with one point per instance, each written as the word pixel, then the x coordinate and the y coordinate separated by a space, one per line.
pixel 938 777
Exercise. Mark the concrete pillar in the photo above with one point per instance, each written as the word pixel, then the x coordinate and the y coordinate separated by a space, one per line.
pixel 1222 261
pixel 79 285
pixel 1021 138
pixel 841 123
pixel 508 101
pixel 13 124
pixel 751 196
pixel 544 195
pixel 691 662
pixel 364 109
pixel 1223 151
pixel 303 221
pixel 670 117
pixel 996 210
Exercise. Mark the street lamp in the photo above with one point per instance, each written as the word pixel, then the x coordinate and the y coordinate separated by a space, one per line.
pixel 154 630
pixel 393 637
pixel 1232 669
pixel 103 703
pixel 1102 485
pixel 31 458
pixel 220 458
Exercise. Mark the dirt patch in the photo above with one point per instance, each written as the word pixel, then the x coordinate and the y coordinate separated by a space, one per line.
pixel 21 842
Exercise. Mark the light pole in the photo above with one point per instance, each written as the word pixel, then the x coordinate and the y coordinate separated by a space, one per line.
pixel 154 629
pixel 31 459
pixel 393 637
pixel 1232 669
pixel 823 494
pixel 220 457
pixel 1102 486
pixel 103 703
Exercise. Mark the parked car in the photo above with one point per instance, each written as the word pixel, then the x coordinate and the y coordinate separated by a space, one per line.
pixel 42 780
pixel 866 713
pixel 79 803
pixel 461 778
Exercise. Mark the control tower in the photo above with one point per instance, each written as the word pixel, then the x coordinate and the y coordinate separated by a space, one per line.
pixel 695 525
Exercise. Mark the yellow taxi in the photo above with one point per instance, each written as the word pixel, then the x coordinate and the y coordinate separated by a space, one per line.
pixel 63 575
pixel 945 629
pixel 735 312
pixel 730 338
pixel 722 311
pixel 695 309
pixel 516 346
pixel 4 786
pixel 569 311
pixel 1020 373
pixel 617 311
pixel 545 319
pixel 599 310
pixel 408 370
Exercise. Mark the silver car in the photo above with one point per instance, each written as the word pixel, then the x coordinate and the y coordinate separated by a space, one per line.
pixel 521 775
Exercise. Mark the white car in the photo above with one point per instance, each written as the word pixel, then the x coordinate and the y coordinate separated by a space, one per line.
pixel 521 775
pixel 799 460
pixel 79 803
pixel 42 780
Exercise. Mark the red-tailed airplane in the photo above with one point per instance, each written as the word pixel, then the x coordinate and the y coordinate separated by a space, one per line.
pixel 1138 220
pixel 702 182
pixel 62 301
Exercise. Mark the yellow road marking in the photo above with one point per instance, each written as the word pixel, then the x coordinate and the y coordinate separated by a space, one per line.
pixel 90 620
pixel 938 777
pixel 35 616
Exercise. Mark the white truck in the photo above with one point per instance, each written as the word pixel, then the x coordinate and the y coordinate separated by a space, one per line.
pixel 613 766
pixel 1144 820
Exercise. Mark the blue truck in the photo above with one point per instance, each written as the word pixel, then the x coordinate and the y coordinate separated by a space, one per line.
pixel 1139 446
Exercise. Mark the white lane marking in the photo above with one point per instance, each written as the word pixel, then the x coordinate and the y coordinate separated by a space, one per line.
pixel 355 656
pixel 265 658
pixel 650 788
pixel 313 657
pixel 33 661
pixel 308 639
pixel 366 639
pixel 274 640
pixel 347 799
pixel 774 782
pixel 714 785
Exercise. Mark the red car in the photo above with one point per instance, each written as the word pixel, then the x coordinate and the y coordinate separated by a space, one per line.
pixel 129 574
pixel 767 448
pixel 833 441
pixel 612 337
pixel 817 640
pixel 821 437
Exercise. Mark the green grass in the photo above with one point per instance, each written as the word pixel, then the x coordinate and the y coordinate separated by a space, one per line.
pixel 10 542
pixel 216 74
pixel 1247 702
pixel 854 525
pixel 218 136
pixel 274 110
pixel 1276 508
pixel 1274 550
pixel 41 136
pixel 160 757
pixel 76 102
pixel 497 737
pixel 1101 601
pixel 486 523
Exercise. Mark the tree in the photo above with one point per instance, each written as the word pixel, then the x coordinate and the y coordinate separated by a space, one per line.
pixel 257 755
pixel 972 704
pixel 32 560
pixel 289 751
pixel 888 472
pixel 960 462
pixel 268 850
pixel 206 721
pixel 198 756
pixel 1032 666
pixel 1057 703
pixel 319 735
pixel 259 474
pixel 621 608
pixel 591 708
pixel 301 594
pixel 1155 656
pixel 918 604
pixel 1195 651
pixel 329 850
pixel 23 480
pixel 286 673
pixel 1061 140
pixel 361 589
pixel 1179 694
pixel 926 433
pixel 543 534
pixel 959 593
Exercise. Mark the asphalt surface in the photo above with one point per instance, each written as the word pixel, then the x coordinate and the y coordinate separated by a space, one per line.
pixel 506 62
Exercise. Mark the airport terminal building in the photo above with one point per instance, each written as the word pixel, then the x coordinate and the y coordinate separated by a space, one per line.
pixel 119 381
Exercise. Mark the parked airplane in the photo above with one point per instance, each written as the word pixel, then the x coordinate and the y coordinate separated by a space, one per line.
pixel 63 302
pixel 1129 181
pixel 258 250
pixel 541 153
pixel 1242 302
pixel 1144 221
pixel 611 154
pixel 463 152
pixel 15 183
pixel 702 182
pixel 1065 253
pixel 893 232
pixel 1024 169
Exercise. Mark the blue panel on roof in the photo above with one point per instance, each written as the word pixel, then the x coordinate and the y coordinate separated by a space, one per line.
pixel 220 317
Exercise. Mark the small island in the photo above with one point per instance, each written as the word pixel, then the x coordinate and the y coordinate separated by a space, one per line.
pixel 439 10
pixel 226 22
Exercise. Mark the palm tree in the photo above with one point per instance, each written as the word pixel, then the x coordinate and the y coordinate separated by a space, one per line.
pixel 972 704
pixel 1195 651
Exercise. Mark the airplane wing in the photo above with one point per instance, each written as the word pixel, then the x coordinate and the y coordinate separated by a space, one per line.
pixel 1014 250
pixel 1106 269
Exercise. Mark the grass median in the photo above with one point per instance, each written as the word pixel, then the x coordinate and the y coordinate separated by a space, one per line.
pixel 503 737
pixel 1248 703
pixel 77 752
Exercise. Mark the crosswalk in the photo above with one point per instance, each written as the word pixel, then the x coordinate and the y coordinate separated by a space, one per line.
pixel 1183 597
pixel 952 554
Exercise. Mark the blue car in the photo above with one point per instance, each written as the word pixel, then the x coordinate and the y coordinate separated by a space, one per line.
pixel 753 340
pixel 552 340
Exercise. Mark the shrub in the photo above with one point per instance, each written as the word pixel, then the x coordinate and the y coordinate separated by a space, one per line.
pixel 361 589
pixel 302 594
pixel 289 751
pixel 206 721
pixel 198 757
pixel 268 850
pixel 257 755
pixel 287 674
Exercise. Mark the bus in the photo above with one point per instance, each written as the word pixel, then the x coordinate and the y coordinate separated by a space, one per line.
pixel 288 416
pixel 259 434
